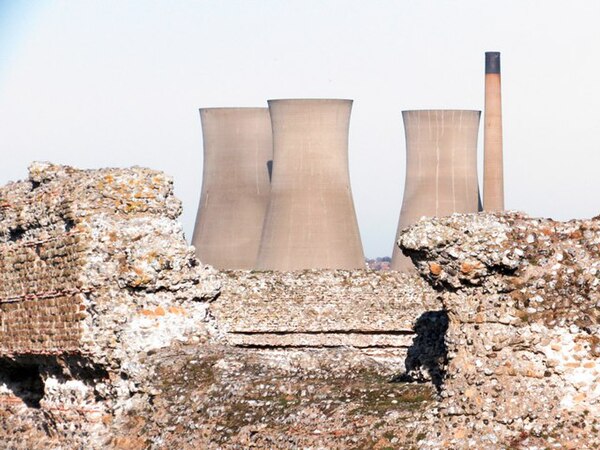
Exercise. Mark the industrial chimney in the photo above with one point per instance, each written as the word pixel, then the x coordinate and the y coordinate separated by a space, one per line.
pixel 441 169
pixel 493 176
pixel 235 186
pixel 310 222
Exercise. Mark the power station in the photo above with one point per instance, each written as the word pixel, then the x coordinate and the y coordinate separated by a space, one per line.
pixel 276 189
pixel 441 168
pixel 235 186
pixel 493 166
pixel 310 221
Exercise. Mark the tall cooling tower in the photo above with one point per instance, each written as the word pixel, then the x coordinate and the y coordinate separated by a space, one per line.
pixel 493 170
pixel 441 168
pixel 310 222
pixel 238 151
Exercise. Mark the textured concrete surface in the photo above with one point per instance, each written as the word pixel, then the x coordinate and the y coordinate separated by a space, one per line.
pixel 235 186
pixel 493 165
pixel 311 221
pixel 441 168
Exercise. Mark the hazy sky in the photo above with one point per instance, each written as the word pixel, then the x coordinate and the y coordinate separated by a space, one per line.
pixel 119 83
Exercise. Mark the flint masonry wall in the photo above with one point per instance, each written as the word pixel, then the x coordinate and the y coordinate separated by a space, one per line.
pixel 41 295
pixel 41 258
pixel 323 308
pixel 70 237
pixel 101 294
pixel 97 278
pixel 94 273
pixel 523 340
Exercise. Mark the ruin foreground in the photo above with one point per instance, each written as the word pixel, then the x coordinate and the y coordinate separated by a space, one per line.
pixel 113 334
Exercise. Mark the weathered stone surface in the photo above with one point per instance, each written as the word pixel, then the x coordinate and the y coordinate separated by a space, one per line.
pixel 94 272
pixel 328 308
pixel 73 239
pixel 523 301
pixel 222 397
pixel 108 338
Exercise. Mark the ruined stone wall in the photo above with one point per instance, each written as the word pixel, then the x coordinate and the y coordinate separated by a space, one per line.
pixel 523 342
pixel 99 287
pixel 113 335
pixel 94 274
pixel 41 259
pixel 390 317
pixel 328 308
pixel 70 238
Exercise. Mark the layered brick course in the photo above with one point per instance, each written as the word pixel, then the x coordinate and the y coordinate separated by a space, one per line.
pixel 67 251
pixel 84 256
pixel 40 274
pixel 322 308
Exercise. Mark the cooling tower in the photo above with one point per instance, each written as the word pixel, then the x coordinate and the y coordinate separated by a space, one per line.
pixel 235 186
pixel 493 176
pixel 310 222
pixel 441 168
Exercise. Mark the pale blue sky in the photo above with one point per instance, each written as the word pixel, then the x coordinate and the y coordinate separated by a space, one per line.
pixel 118 83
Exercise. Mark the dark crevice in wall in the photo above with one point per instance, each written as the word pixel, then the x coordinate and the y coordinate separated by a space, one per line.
pixel 328 332
pixel 24 381
pixel 69 225
pixel 16 234
pixel 317 346
pixel 24 375
pixel 427 358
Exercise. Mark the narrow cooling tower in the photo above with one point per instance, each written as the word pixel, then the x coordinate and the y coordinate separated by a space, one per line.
pixel 235 186
pixel 441 168
pixel 310 222
pixel 493 171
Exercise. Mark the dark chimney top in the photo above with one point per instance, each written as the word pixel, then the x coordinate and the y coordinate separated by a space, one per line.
pixel 492 62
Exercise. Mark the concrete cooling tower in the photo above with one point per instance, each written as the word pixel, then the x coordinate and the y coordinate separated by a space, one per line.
pixel 310 222
pixel 493 170
pixel 441 168
pixel 235 186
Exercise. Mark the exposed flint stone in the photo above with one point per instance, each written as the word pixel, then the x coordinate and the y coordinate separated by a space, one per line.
pixel 523 340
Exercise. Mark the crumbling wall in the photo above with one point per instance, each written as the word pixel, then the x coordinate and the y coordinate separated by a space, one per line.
pixel 320 307
pixel 523 341
pixel 103 306
pixel 70 239
pixel 94 273
pixel 389 317
pixel 109 324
